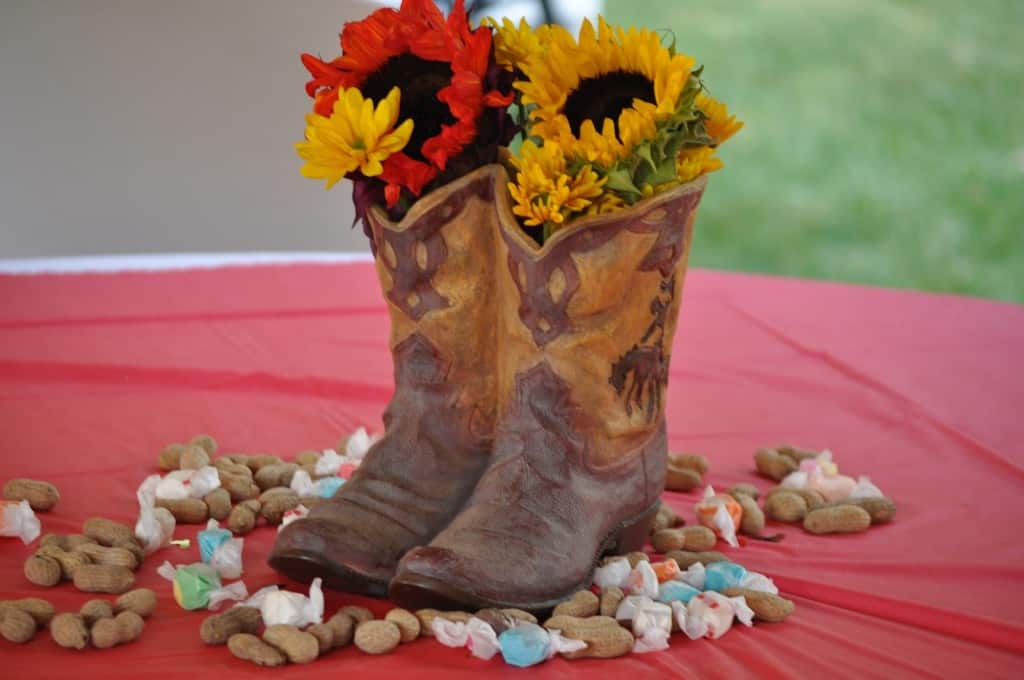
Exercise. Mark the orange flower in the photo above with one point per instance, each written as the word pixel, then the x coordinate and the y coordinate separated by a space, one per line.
pixel 439 64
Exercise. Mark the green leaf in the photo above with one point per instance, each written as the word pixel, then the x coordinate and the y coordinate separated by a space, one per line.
pixel 644 151
pixel 620 180
pixel 666 172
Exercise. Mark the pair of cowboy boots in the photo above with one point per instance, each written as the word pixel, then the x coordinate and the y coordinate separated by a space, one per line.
pixel 526 436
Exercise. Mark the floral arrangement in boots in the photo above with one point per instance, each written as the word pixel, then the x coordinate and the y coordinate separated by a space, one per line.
pixel 533 297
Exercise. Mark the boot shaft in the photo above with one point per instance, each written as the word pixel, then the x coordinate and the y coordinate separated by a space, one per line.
pixel 436 270
pixel 598 303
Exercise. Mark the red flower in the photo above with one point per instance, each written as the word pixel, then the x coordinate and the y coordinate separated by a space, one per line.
pixel 440 66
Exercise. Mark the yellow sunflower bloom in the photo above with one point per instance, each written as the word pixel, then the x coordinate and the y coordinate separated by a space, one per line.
pixel 627 78
pixel 357 136
pixel 544 191
pixel 516 45
pixel 719 125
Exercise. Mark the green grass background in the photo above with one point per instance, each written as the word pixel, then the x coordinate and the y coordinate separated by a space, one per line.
pixel 884 141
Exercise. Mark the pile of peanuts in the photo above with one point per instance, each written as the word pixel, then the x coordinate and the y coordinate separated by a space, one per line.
pixel 258 485
pixel 590 617
pixel 586 616
pixel 789 505
pixel 102 559
pixel 99 623
pixel 239 628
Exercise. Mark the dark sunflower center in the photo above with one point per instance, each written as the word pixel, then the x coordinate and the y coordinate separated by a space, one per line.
pixel 420 81
pixel 605 97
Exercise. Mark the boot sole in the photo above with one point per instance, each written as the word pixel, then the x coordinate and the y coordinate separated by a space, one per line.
pixel 419 592
pixel 305 566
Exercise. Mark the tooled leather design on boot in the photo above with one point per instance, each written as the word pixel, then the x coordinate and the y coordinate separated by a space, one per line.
pixel 579 461
pixel 436 271
pixel 641 374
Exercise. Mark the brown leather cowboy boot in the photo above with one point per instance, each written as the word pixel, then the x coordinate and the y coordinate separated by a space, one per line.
pixel 585 332
pixel 436 268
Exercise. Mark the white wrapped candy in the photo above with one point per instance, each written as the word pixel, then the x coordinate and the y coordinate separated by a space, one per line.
pixel 155 528
pixel 755 581
pixel 643 580
pixel 563 645
pixel 17 519
pixel 693 576
pixel 482 641
pixel 181 484
pixel 630 605
pixel 652 615
pixel 298 512
pixel 476 635
pixel 329 463
pixel 710 615
pixel 296 609
pixel 615 573
pixel 653 640
pixel 359 443
pixel 865 489
pixel 146 493
pixel 227 558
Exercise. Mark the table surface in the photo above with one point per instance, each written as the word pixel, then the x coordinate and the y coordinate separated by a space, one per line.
pixel 923 393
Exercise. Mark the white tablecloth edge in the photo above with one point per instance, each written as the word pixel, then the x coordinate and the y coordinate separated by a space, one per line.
pixel 170 261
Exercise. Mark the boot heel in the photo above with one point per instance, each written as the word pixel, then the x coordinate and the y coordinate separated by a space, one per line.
pixel 633 533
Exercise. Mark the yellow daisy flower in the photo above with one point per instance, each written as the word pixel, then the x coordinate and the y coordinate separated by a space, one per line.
pixel 606 203
pixel 544 191
pixel 357 136
pixel 719 125
pixel 515 45
pixel 626 77
pixel 694 162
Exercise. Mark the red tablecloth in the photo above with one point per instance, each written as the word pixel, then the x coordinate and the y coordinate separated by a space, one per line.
pixel 921 392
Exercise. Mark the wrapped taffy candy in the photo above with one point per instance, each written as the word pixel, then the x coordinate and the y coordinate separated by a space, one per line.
pixel 155 526
pixel 221 550
pixel 821 474
pixel 721 513
pixel 283 607
pixel 198 586
pixel 18 520
pixel 476 635
pixel 182 484
pixel 303 485
pixel 711 614
pixel 527 644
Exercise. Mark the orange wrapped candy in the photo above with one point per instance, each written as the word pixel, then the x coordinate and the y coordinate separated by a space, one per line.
pixel 665 571
pixel 709 513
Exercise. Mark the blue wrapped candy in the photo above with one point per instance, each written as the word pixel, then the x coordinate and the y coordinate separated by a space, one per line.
pixel 328 486
pixel 210 540
pixel 721 575
pixel 676 591
pixel 525 644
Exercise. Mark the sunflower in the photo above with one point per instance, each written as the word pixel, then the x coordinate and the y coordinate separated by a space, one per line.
pixel 441 67
pixel 546 191
pixel 357 136
pixel 627 78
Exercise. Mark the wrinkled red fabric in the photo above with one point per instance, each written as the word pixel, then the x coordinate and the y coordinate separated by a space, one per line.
pixel 923 393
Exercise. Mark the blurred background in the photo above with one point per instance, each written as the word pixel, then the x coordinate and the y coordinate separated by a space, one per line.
pixel 884 141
